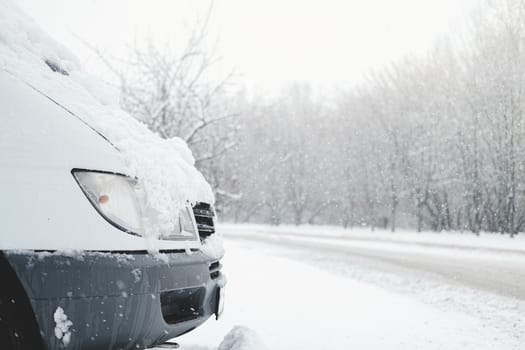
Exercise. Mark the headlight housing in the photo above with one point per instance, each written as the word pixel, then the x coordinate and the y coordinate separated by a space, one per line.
pixel 122 202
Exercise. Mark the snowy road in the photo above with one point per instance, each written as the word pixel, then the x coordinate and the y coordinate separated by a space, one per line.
pixel 330 293
pixel 491 270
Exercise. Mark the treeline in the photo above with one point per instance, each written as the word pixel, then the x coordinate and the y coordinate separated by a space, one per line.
pixel 434 142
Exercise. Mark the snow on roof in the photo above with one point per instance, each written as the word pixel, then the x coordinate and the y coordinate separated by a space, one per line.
pixel 164 167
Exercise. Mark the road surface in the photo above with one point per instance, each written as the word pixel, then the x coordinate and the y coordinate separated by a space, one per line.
pixel 305 292
pixel 493 270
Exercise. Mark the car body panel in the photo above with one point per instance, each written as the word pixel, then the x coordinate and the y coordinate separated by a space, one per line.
pixel 113 299
pixel 65 255
pixel 40 143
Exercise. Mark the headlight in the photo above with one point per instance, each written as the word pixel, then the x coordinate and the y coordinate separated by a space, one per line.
pixel 187 227
pixel 121 201
pixel 116 197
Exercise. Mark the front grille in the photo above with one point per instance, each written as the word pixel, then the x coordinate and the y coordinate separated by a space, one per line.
pixel 215 270
pixel 182 304
pixel 204 218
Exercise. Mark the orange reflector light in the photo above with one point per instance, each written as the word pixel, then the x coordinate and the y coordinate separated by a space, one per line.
pixel 103 199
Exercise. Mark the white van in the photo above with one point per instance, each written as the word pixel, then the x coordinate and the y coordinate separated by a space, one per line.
pixel 76 270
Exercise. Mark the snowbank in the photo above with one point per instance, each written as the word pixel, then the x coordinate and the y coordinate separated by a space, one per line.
pixel 165 168
pixel 405 238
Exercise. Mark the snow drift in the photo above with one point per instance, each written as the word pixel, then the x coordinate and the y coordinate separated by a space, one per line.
pixel 164 167
pixel 241 338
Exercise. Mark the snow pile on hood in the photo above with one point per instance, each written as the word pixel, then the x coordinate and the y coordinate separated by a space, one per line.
pixel 165 168
pixel 241 338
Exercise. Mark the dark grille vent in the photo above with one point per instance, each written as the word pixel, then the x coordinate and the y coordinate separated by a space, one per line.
pixel 182 305
pixel 204 217
pixel 215 270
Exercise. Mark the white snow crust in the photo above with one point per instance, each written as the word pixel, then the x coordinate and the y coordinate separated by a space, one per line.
pixel 164 167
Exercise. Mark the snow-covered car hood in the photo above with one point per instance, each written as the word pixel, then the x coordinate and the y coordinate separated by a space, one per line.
pixel 165 167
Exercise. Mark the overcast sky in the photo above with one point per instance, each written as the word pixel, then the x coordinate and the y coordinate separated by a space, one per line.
pixel 271 42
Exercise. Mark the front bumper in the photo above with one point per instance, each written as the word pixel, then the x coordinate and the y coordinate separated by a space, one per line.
pixel 118 301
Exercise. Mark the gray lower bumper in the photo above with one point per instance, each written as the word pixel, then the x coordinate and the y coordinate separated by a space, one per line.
pixel 114 300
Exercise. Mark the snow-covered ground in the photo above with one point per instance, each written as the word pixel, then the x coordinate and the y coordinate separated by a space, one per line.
pixel 485 241
pixel 296 299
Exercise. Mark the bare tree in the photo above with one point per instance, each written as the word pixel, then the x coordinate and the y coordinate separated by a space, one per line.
pixel 175 92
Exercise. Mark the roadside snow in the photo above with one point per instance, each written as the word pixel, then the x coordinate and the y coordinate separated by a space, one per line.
pixel 165 168
pixel 292 305
pixel 485 241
